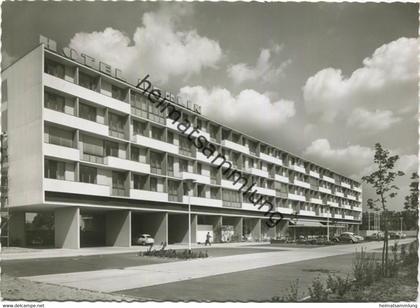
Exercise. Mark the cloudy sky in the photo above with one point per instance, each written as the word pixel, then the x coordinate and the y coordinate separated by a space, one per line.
pixel 324 81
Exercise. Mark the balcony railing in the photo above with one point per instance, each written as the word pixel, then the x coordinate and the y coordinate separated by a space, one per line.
pixel 93 158
pixel 232 204
pixel 174 198
pixel 118 191
pixel 65 142
pixel 116 133
pixel 156 170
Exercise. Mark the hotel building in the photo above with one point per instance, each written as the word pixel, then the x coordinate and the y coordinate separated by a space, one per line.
pixel 92 151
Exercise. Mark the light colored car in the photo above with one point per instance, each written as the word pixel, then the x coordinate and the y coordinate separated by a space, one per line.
pixel 359 237
pixel 144 239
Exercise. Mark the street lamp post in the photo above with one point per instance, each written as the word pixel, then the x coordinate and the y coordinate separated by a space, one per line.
pixel 189 183
pixel 401 218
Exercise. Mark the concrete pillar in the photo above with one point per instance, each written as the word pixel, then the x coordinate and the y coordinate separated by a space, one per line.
pixel 118 228
pixel 282 228
pixel 217 228
pixel 238 228
pixel 256 230
pixel 270 231
pixel 160 221
pixel 67 227
pixel 194 223
pixel 17 229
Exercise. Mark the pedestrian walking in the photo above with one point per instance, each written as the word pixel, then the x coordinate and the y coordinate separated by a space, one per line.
pixel 208 237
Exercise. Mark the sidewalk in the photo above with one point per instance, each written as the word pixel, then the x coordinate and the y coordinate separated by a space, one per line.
pixel 112 280
pixel 16 253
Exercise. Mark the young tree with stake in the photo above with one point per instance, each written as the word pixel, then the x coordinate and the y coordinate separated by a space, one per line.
pixel 382 181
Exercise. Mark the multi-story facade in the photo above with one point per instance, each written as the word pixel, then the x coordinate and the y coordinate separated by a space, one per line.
pixel 94 151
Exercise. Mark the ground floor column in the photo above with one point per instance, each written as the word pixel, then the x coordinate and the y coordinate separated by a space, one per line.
pixel 118 228
pixel 67 227
pixel 282 228
pixel 17 229
pixel 217 222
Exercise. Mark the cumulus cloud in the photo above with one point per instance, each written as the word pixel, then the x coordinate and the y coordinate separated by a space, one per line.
pixel 375 121
pixel 247 109
pixel 158 47
pixel 263 70
pixel 385 80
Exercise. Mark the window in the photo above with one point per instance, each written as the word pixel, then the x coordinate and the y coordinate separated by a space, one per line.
pixel 199 168
pixel 138 154
pixel 140 128
pixel 157 133
pixel 54 169
pixel 4 91
pixel 54 102
pixel 117 93
pixel 140 181
pixel 54 68
pixel 55 135
pixel 170 166
pixel 214 193
pixel 87 81
pixel 170 137
pixel 173 191
pixel 93 149
pixel 87 112
pixel 116 125
pixel 153 184
pixel 155 163
pixel 88 174
pixel 111 149
pixel 183 165
pixel 231 198
pixel 139 105
pixel 155 114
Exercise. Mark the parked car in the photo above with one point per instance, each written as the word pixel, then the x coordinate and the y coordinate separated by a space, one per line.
pixel 144 239
pixel 398 235
pixel 348 238
pixel 359 237
pixel 376 236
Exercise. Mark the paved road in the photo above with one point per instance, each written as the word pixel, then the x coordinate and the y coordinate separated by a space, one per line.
pixel 45 266
pixel 111 280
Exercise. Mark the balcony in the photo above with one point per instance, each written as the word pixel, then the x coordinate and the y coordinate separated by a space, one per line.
pixel 148 195
pixel 350 217
pixel 155 144
pixel 351 197
pixel 284 210
pixel 346 206
pixel 119 192
pixel 86 94
pixel 229 184
pixel 296 197
pixel 298 168
pixel 332 204
pixel 339 194
pixel 316 201
pixel 358 189
pixel 281 178
pixel 75 122
pixel 271 159
pixel 314 174
pixel 251 207
pixel 62 152
pixel 174 126
pixel 234 146
pixel 325 190
pixel 307 213
pixel 76 187
pixel 357 208
pixel 265 191
pixel 345 185
pixel 326 215
pixel 302 184
pixel 338 216
pixel 128 165
pixel 203 201
pixel 198 177
pixel 257 172
pixel 328 179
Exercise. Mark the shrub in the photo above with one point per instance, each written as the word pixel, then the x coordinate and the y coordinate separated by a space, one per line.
pixel 318 292
pixel 292 293
pixel 338 285
pixel 364 269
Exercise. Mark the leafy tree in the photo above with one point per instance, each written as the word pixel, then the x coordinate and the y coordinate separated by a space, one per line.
pixel 411 203
pixel 382 181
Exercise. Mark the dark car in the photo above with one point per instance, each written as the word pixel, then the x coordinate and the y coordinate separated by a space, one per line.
pixel 348 238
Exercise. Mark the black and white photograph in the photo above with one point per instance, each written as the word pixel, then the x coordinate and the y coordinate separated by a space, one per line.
pixel 209 152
